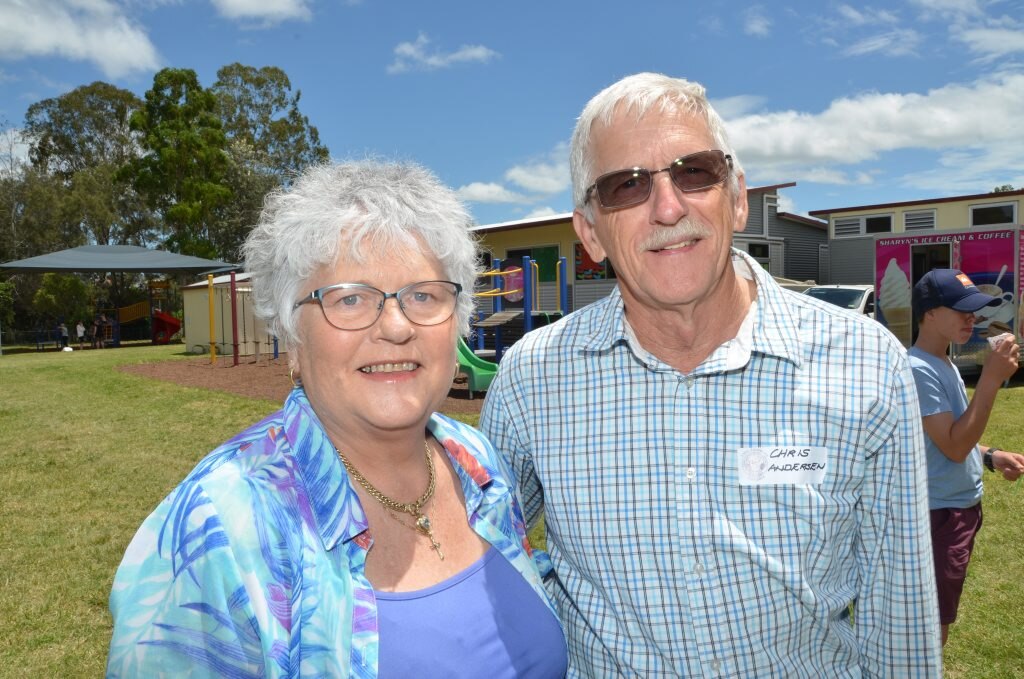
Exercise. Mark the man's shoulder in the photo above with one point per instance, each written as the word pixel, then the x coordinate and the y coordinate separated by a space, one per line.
pixel 821 321
pixel 928 366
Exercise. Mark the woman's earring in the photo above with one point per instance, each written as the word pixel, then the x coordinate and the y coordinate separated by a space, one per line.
pixel 291 376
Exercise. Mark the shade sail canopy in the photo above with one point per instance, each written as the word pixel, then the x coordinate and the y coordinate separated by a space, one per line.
pixel 128 258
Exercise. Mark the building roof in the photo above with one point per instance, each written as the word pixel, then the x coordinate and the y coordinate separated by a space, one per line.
pixel 769 187
pixel 909 203
pixel 103 258
pixel 524 223
pixel 240 278
pixel 816 223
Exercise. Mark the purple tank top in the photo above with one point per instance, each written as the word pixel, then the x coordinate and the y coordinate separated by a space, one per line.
pixel 483 622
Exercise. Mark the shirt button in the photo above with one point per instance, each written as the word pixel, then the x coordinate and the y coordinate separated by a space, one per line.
pixel 716 666
pixel 691 473
pixel 699 571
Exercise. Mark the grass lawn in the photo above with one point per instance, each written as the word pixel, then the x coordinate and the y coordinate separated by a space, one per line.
pixel 88 451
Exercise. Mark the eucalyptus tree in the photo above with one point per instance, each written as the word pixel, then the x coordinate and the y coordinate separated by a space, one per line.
pixel 82 129
pixel 82 139
pixel 257 106
pixel 269 141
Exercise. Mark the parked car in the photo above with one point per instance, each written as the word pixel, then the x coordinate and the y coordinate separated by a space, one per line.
pixel 859 298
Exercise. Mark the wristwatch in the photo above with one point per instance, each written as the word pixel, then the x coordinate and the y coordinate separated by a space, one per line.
pixel 987 458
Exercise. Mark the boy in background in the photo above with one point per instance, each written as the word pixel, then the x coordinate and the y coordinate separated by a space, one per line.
pixel 945 302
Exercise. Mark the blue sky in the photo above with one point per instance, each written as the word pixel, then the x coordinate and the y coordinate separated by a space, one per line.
pixel 856 103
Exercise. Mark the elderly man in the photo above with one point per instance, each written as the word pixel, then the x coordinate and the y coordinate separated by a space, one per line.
pixel 732 475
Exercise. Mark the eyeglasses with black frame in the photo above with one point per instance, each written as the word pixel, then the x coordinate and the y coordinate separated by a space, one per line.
pixel 693 172
pixel 355 306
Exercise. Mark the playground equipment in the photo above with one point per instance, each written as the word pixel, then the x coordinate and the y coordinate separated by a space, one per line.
pixel 479 372
pixel 496 331
pixel 220 319
pixel 164 327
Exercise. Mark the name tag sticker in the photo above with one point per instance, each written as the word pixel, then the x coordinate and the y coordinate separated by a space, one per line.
pixel 784 465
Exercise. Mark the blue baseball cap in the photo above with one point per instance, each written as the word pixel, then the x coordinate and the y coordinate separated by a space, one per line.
pixel 949 288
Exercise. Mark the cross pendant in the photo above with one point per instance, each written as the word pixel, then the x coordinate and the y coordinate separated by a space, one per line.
pixel 436 546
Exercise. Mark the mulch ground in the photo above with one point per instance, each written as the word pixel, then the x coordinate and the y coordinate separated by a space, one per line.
pixel 266 379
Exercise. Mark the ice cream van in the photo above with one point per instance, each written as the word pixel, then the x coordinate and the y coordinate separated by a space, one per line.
pixel 993 258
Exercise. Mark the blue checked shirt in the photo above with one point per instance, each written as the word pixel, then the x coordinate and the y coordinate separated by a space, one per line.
pixel 668 565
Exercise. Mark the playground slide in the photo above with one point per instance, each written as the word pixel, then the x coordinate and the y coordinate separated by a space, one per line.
pixel 479 371
pixel 164 326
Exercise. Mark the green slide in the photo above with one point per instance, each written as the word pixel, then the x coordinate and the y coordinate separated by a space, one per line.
pixel 479 371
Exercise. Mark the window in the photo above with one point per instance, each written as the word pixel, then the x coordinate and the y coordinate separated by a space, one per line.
pixel 758 250
pixel 881 224
pixel 849 227
pixel 919 219
pixel 994 214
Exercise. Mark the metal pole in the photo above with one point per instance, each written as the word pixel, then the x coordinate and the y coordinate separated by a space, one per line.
pixel 528 294
pixel 234 319
pixel 213 339
pixel 563 286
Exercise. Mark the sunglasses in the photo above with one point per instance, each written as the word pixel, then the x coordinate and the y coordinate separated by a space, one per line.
pixel 694 172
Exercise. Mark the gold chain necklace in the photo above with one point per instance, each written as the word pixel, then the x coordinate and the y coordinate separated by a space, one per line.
pixel 415 508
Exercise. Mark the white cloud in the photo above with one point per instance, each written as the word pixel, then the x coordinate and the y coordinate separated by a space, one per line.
pixel 734 107
pixel 948 9
pixel 538 213
pixel 895 43
pixel 865 16
pixel 786 204
pixel 824 175
pixel 979 120
pixel 481 192
pixel 81 30
pixel 964 170
pixel 992 42
pixel 547 176
pixel 415 56
pixel 756 23
pixel 270 11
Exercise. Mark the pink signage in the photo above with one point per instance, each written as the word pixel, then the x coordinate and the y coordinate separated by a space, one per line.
pixel 988 257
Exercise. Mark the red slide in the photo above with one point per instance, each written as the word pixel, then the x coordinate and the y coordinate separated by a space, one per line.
pixel 164 326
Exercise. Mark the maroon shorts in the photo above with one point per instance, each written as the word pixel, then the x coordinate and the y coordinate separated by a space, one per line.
pixel 953 532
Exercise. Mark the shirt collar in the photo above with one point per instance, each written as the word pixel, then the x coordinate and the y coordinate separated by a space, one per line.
pixel 770 328
pixel 336 508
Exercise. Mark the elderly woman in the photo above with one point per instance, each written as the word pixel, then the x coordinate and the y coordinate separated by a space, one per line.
pixel 355 532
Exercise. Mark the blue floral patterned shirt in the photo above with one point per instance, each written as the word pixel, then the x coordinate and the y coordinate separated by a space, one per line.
pixel 254 565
